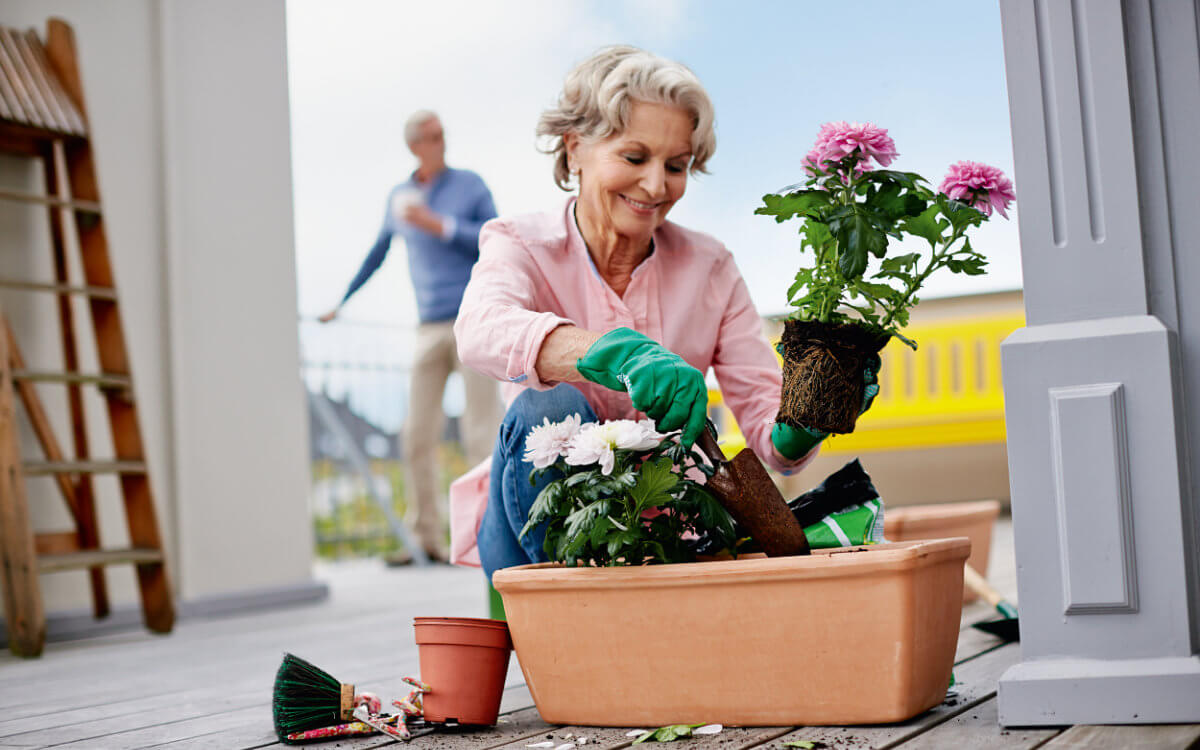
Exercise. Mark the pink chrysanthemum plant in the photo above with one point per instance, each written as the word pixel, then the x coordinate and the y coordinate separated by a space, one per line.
pixel 621 494
pixel 851 207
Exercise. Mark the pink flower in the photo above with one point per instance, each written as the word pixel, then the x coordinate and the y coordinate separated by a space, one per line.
pixel 837 140
pixel 812 163
pixel 979 186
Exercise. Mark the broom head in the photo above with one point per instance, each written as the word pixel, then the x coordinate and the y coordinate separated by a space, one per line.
pixel 307 697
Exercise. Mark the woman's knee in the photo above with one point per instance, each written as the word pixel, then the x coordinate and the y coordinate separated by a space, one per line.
pixel 532 407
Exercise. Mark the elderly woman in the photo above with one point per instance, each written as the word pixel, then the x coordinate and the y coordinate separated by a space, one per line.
pixel 604 308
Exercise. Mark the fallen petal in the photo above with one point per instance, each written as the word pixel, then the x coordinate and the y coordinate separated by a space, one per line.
pixel 581 740
pixel 541 744
pixel 567 746
pixel 708 729
pixel 635 732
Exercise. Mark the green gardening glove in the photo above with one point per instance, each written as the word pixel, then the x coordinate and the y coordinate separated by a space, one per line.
pixel 660 383
pixel 792 443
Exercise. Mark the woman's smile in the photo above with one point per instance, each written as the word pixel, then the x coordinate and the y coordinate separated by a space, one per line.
pixel 640 207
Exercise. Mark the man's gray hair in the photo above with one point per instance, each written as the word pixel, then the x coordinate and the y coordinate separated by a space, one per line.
pixel 412 126
pixel 595 100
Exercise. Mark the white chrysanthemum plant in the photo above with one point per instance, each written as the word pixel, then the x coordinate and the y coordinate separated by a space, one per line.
pixel 621 495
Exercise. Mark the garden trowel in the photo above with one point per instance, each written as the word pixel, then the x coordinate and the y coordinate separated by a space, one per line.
pixel 1006 628
pixel 747 492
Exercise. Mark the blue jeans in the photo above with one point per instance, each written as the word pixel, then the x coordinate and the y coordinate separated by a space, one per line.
pixel 510 495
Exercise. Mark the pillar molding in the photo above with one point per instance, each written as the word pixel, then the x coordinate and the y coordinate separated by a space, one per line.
pixel 1100 462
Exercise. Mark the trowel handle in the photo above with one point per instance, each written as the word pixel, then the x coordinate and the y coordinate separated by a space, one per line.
pixel 984 590
pixel 707 443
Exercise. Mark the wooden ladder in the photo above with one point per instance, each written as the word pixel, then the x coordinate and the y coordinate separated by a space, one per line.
pixel 42 115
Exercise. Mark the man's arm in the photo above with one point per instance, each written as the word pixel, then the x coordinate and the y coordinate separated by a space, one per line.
pixel 374 259
pixel 483 209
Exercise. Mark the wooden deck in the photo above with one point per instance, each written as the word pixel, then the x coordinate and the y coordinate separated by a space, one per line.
pixel 208 684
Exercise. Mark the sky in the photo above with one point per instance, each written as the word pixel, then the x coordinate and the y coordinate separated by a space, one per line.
pixel 930 71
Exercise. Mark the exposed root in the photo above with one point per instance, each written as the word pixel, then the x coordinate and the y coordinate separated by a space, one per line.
pixel 823 374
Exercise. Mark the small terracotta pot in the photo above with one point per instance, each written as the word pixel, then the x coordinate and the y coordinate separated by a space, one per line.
pixel 973 520
pixel 861 635
pixel 464 660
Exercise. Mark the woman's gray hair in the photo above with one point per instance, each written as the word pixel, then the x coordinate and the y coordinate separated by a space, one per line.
pixel 595 100
pixel 412 126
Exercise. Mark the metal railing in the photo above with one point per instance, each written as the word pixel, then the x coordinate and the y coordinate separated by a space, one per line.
pixel 357 377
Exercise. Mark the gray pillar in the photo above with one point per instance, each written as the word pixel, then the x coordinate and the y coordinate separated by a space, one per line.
pixel 1102 387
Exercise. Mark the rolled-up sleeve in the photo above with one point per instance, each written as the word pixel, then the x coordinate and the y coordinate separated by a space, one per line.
pixel 746 368
pixel 499 329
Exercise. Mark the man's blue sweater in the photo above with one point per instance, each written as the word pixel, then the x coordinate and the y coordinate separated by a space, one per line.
pixel 439 267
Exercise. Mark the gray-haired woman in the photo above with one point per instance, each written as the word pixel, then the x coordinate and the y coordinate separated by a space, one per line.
pixel 602 307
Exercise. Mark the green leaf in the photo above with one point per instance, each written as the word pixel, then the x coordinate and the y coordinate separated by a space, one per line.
pixel 910 180
pixel 599 531
pixel 803 279
pixel 544 506
pixel 900 263
pixel 617 542
pixel 856 238
pixel 799 203
pixel 579 478
pixel 893 205
pixel 960 214
pixel 654 479
pixel 926 225
pixel 816 235
pixel 878 291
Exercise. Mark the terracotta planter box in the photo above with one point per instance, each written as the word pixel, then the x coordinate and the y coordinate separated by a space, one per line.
pixel 973 520
pixel 853 636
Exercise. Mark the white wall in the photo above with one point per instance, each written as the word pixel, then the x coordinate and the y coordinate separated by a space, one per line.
pixel 189 112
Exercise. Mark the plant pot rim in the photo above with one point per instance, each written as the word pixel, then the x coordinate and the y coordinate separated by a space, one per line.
pixel 844 562
pixel 466 622
pixel 938 514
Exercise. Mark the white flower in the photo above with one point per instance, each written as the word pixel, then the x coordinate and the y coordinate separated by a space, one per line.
pixel 547 441
pixel 596 443
pixel 638 436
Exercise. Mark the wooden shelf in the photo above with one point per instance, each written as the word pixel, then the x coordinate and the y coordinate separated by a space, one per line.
pixel 80 378
pixel 46 468
pixel 97 557
pixel 96 292
pixel 90 207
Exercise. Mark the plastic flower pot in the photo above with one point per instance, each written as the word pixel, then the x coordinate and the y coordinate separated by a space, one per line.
pixel 823 373
pixel 861 635
pixel 464 660
pixel 973 520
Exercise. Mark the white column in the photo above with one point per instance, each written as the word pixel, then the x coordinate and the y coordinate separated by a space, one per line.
pixel 1104 96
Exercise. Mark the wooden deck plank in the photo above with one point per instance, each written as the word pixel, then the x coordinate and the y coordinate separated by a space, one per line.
pixel 979 727
pixel 1128 737
pixel 976 682
pixel 214 652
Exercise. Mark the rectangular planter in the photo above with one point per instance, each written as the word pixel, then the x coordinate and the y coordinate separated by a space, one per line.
pixel 863 635
pixel 974 520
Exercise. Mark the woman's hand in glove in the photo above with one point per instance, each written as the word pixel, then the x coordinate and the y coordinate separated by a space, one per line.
pixel 793 443
pixel 660 383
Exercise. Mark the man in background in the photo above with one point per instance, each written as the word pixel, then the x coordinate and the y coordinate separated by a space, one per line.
pixel 438 211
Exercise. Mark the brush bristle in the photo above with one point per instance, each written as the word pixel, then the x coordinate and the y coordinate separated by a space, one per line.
pixel 305 697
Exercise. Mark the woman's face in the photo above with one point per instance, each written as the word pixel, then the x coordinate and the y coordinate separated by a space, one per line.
pixel 630 180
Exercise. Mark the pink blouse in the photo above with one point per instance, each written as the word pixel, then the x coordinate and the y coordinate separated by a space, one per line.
pixel 534 274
